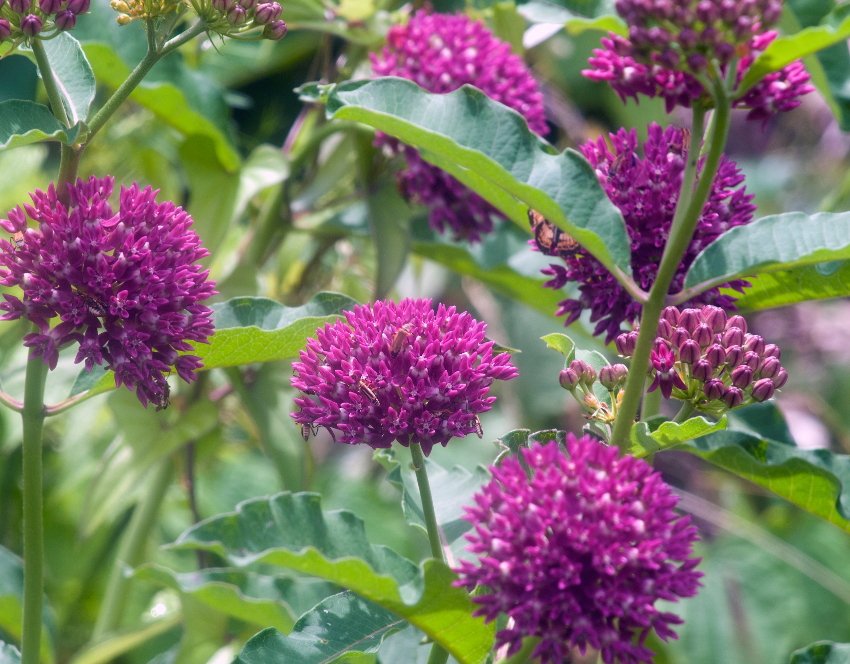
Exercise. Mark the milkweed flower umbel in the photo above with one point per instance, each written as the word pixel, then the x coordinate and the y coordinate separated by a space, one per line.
pixel 398 372
pixel 576 549
pixel 646 190
pixel 126 286
pixel 440 53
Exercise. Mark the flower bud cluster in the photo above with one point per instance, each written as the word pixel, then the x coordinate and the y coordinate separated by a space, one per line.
pixel 709 359
pixel 25 19
pixel 579 377
pixel 131 10
pixel 242 19
pixel 670 44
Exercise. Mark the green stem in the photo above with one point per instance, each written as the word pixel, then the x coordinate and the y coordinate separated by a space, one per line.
pixel 688 210
pixel 141 70
pixel 438 655
pixel 131 550
pixel 684 413
pixel 33 421
pixel 46 71
pixel 651 404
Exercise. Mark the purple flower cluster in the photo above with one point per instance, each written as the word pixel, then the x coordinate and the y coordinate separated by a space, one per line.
pixel 656 62
pixel 577 549
pixel 441 53
pixel 646 191
pixel 126 286
pixel 709 359
pixel 398 372
pixel 25 19
pixel 242 18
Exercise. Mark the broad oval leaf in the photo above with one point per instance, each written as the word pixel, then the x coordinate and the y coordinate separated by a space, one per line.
pixel 822 652
pixel 802 284
pixel 247 330
pixel 340 624
pixel 24 122
pixel 783 51
pixel 669 434
pixel 291 531
pixel 469 131
pixel 818 481
pixel 73 74
pixel 775 243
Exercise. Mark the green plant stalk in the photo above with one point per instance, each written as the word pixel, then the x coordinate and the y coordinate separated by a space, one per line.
pixel 438 655
pixel 690 205
pixel 141 70
pixel 49 80
pixel 131 551
pixel 33 421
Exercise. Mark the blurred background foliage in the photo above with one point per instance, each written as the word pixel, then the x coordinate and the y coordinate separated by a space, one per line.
pixel 289 209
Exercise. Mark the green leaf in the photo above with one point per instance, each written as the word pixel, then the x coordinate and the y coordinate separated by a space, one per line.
pixel 291 531
pixel 802 284
pixel 11 605
pixel 816 480
pixel 342 623
pixel 645 441
pixel 9 654
pixel 247 330
pixel 108 651
pixel 258 599
pixel 561 343
pixel 547 12
pixel 388 216
pixel 468 130
pixel 502 261
pixel 822 652
pixel 25 122
pixel 783 51
pixel 73 74
pixel 775 243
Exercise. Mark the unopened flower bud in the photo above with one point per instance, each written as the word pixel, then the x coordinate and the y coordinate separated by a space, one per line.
pixel 236 15
pixel 754 343
pixel 737 321
pixel 679 336
pixel 569 379
pixel 65 20
pixel 733 336
pixel 714 389
pixel 780 378
pixel 5 29
pixel 613 375
pixel 714 317
pixel 703 335
pixel 763 389
pixel 751 359
pixel 689 352
pixel 275 30
pixel 671 315
pixel 665 329
pixel 20 6
pixel 741 376
pixel 78 6
pixel 734 356
pixel 31 25
pixel 587 374
pixel 223 5
pixel 733 397
pixel 689 319
pixel 267 12
pixel 702 370
pixel 715 354
pixel 770 366
pixel 626 343
pixel 772 350
pixel 49 6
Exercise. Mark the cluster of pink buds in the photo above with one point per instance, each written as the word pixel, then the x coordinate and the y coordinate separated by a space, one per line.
pixel 579 377
pixel 709 359
pixel 25 19
pixel 242 19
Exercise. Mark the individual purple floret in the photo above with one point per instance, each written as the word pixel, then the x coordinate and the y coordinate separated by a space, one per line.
pixel 126 285
pixel 440 53
pixel 709 359
pixel 398 372
pixel 646 190
pixel 576 550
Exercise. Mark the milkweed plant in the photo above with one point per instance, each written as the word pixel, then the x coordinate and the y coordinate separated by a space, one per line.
pixel 394 333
